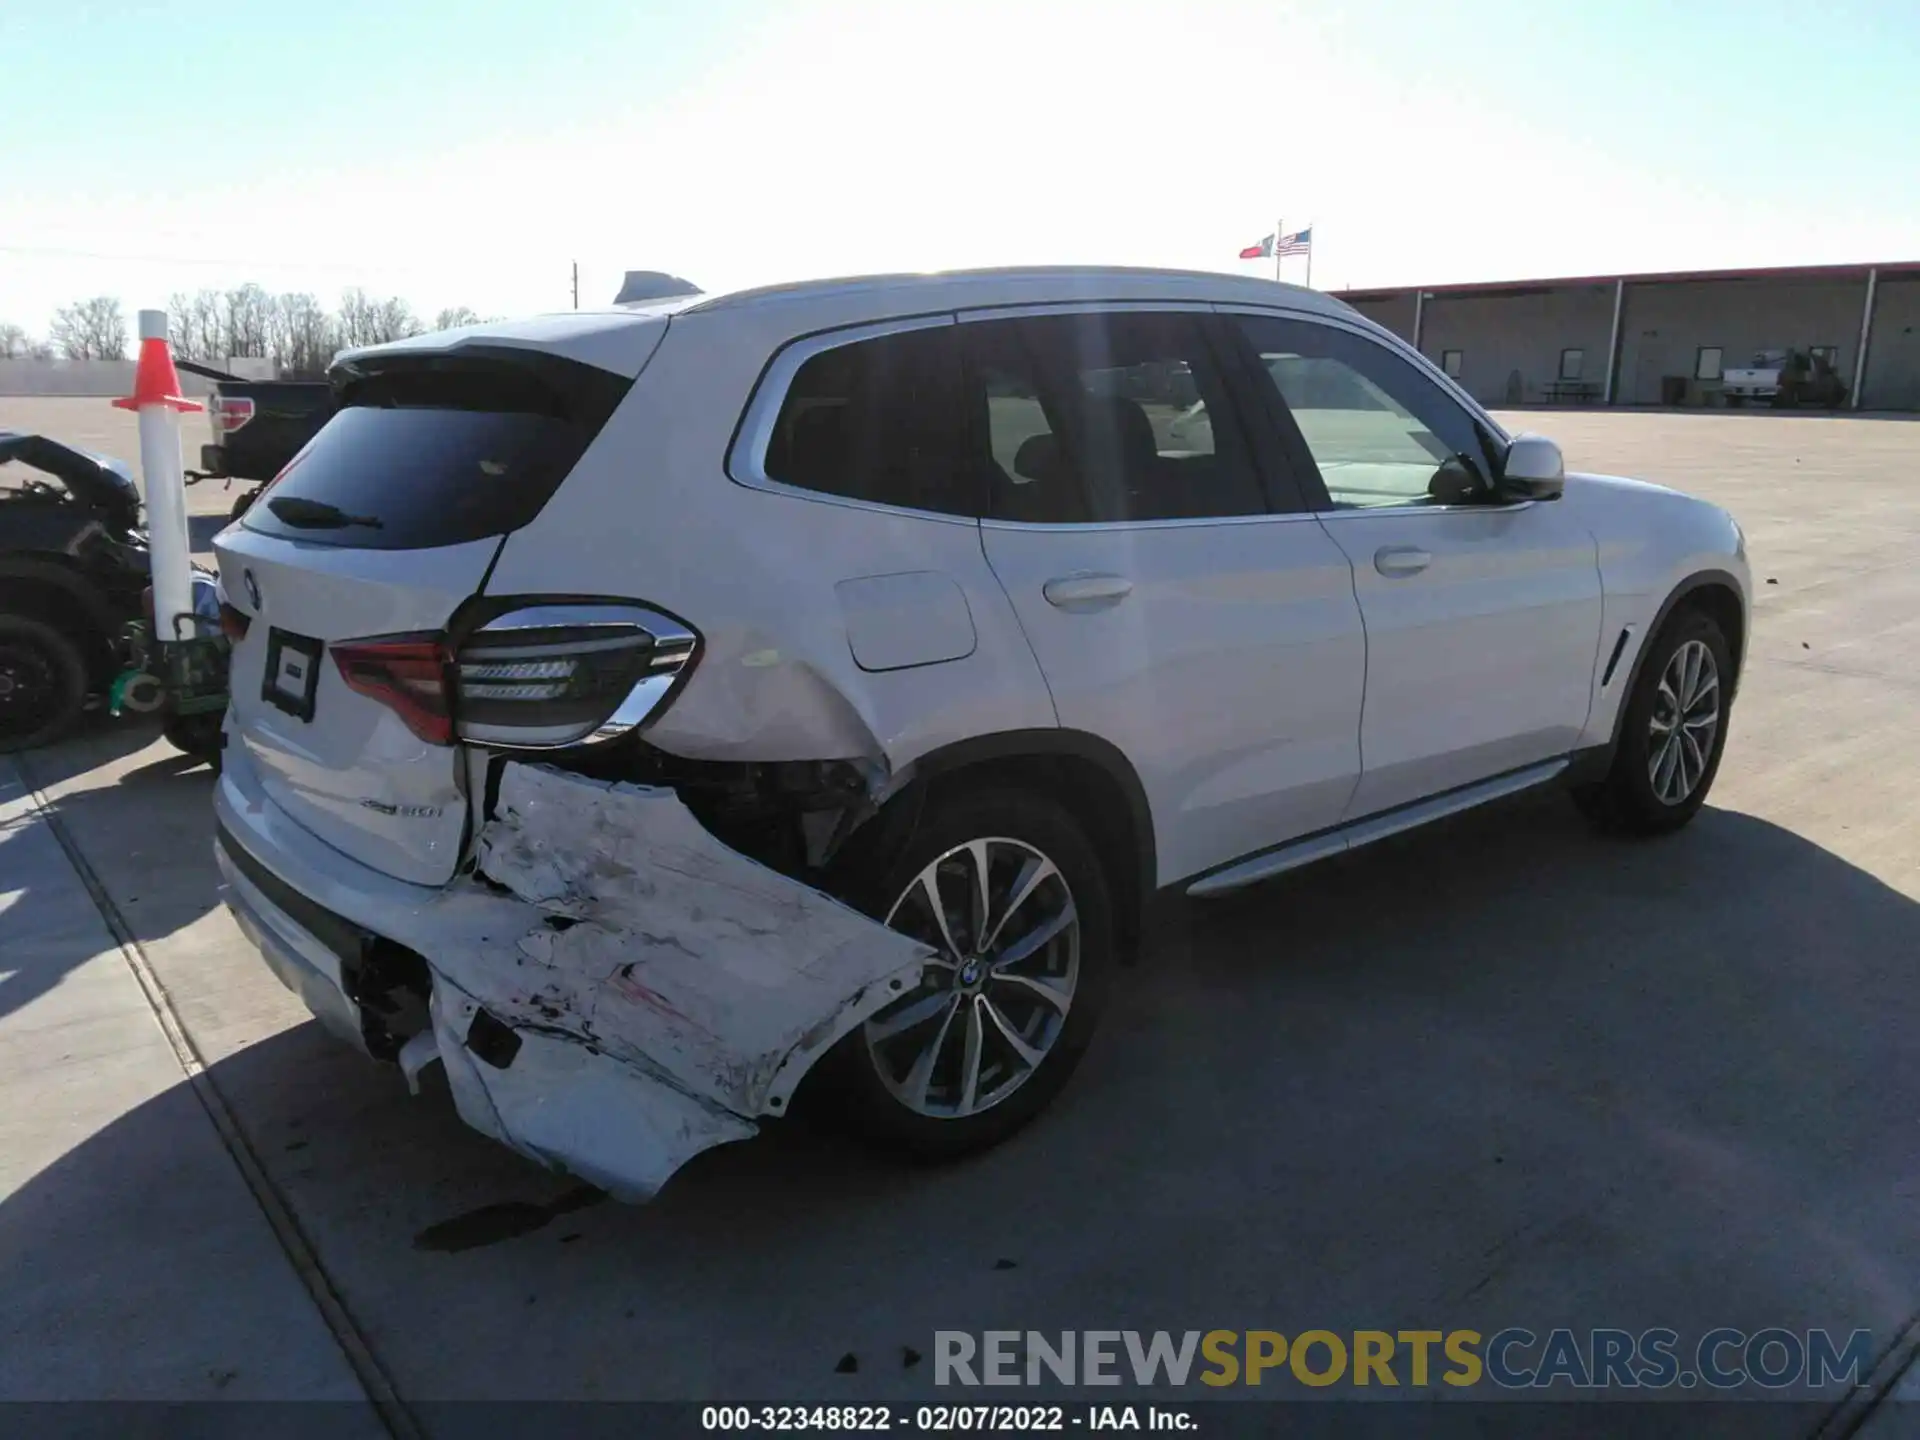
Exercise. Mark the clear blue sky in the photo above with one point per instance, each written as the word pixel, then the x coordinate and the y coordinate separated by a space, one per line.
pixel 468 153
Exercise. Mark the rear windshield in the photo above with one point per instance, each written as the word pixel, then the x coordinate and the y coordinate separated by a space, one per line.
pixel 416 460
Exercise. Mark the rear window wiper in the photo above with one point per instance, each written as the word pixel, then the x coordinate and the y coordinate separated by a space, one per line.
pixel 317 514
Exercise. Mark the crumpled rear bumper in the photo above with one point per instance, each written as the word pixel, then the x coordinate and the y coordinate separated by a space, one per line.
pixel 613 989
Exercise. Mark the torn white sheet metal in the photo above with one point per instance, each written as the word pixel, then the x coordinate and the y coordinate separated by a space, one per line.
pixel 575 1108
pixel 664 988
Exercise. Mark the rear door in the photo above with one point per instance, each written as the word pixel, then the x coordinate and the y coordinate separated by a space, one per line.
pixel 379 530
pixel 1482 619
pixel 1178 609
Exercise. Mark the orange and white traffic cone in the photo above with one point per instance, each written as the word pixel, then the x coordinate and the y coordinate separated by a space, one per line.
pixel 157 399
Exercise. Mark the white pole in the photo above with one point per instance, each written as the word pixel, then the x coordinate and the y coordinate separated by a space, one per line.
pixel 1309 254
pixel 1866 330
pixel 1279 229
pixel 1613 337
pixel 166 485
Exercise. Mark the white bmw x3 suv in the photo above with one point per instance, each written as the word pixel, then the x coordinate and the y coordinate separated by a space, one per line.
pixel 636 711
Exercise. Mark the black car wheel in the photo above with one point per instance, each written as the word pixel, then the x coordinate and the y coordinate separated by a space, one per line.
pixel 1672 733
pixel 43 683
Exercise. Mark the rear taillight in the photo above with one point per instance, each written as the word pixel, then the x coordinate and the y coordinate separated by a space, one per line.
pixel 559 674
pixel 227 413
pixel 539 677
pixel 405 673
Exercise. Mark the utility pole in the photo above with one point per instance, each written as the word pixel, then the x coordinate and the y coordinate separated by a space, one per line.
pixel 576 284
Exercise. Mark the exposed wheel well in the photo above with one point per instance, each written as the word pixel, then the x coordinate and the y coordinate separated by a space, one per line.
pixel 1721 604
pixel 1088 777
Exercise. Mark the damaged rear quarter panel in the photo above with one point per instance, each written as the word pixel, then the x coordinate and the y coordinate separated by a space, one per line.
pixel 664 989
pixel 652 514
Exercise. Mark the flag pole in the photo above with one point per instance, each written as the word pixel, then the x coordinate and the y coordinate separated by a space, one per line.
pixel 1279 229
pixel 1309 254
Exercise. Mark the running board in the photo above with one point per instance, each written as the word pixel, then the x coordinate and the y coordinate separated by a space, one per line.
pixel 1375 827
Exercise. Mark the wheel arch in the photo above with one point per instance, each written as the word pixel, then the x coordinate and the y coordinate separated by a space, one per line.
pixel 1715 592
pixel 48 591
pixel 1088 775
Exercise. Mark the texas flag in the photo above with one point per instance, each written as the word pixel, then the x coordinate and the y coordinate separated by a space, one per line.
pixel 1298 243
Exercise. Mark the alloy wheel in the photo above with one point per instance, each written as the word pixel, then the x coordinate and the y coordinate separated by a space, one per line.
pixel 992 1004
pixel 1686 719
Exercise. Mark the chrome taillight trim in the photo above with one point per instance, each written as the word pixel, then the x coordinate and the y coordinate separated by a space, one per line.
pixel 673 648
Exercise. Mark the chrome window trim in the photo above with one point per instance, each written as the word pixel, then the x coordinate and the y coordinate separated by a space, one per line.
pixel 1176 523
pixel 746 463
pixel 1355 512
pixel 1084 307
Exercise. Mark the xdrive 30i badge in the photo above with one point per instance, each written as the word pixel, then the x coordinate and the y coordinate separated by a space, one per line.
pixel 404 812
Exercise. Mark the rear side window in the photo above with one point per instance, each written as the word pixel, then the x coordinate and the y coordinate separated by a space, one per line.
pixel 439 452
pixel 878 420
pixel 1107 417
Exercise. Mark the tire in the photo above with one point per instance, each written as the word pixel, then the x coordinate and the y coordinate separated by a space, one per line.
pixel 43 683
pixel 1735 402
pixel 197 735
pixel 874 1069
pixel 1646 790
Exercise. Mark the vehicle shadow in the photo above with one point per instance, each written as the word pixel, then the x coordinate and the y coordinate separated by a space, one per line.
pixel 1502 1072
pixel 138 812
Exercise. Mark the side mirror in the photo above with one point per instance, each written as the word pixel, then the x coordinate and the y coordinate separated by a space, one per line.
pixel 1534 469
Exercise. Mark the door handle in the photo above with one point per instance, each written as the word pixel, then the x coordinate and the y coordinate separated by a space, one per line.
pixel 1086 592
pixel 1398 561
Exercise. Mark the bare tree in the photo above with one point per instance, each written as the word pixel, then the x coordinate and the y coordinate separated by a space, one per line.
pixel 93 329
pixel 302 336
pixel 13 341
pixel 181 331
pixel 357 322
pixel 395 320
pixel 454 316
pixel 364 320
pixel 247 310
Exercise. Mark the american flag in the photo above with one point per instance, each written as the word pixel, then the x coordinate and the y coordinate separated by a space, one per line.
pixel 1300 242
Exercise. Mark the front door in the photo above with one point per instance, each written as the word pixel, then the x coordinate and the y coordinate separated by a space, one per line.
pixel 1482 619
pixel 1205 628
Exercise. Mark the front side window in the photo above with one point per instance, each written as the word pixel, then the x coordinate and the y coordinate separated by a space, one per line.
pixel 1380 432
pixel 1706 363
pixel 1101 418
pixel 1570 363
pixel 878 420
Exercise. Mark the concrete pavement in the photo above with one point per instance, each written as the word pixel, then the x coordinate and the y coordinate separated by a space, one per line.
pixel 137 1265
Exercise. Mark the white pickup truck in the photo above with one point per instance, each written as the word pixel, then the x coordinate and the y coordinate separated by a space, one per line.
pixel 1785 378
